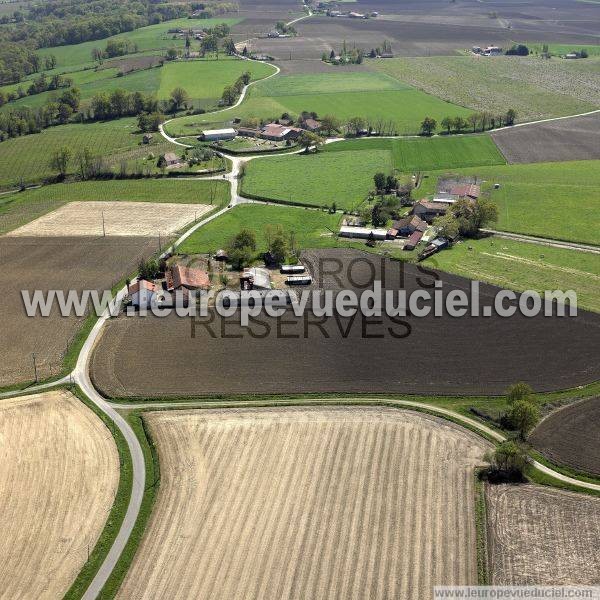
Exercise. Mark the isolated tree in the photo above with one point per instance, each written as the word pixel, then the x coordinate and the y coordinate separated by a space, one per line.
pixel 330 124
pixel 523 416
pixel 473 119
pixel 278 247
pixel 309 140
pixel 379 180
pixel 59 161
pixel 508 460
pixel 447 226
pixel 472 216
pixel 229 46
pixel 428 126
pixel 459 124
pixel 519 391
pixel 511 115
pixel 172 54
pixel 356 125
pixel 179 98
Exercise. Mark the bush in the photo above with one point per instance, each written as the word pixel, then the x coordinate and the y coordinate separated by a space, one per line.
pixel 507 463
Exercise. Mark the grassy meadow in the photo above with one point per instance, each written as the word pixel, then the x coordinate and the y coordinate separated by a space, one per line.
pixel 377 97
pixel 521 266
pixel 27 158
pixel 311 228
pixel 553 200
pixel 534 87
pixel 343 171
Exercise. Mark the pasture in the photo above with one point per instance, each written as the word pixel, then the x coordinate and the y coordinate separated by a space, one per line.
pixel 91 218
pixel 148 39
pixel 349 502
pixel 553 200
pixel 343 171
pixel 568 436
pixel 521 266
pixel 535 88
pixel 213 355
pixel 378 98
pixel 27 158
pixel 542 536
pixel 22 207
pixel 311 228
pixel 59 476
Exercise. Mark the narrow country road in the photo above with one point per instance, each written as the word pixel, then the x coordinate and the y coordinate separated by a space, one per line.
pixel 544 241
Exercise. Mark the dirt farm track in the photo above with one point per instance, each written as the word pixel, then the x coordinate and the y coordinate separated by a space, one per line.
pixel 308 354
pixel 542 536
pixel 571 436
pixel 58 478
pixel 297 503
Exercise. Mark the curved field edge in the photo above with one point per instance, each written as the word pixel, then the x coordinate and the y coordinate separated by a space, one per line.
pixel 118 509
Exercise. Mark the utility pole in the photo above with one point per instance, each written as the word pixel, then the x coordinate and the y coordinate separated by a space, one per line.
pixel 103 226
pixel 34 367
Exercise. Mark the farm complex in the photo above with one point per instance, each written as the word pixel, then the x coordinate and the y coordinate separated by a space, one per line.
pixel 302 299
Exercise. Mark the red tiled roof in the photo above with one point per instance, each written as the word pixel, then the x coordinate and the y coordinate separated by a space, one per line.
pixel 142 283
pixel 180 276
pixel 466 190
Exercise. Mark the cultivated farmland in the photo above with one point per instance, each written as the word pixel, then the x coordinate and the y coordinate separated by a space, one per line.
pixel 307 179
pixel 542 536
pixel 568 139
pixel 521 266
pixel 569 436
pixel 47 263
pixel 92 218
pixel 27 158
pixel 308 503
pixel 22 207
pixel 380 99
pixel 59 476
pixel 554 200
pixel 311 228
pixel 535 88
pixel 215 355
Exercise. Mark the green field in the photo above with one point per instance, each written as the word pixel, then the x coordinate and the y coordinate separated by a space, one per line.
pixel 562 49
pixel 521 266
pixel 554 200
pixel 322 179
pixel 343 171
pixel 534 87
pixel 311 228
pixel 151 38
pixel 20 208
pixel 27 157
pixel 378 98
pixel 204 80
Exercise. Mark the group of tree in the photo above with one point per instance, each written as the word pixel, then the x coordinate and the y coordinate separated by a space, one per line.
pixel 23 121
pixel 120 103
pixel 353 56
pixel 385 184
pixel 38 85
pixel 466 218
pixel 242 249
pixel 87 164
pixel 66 22
pixel 518 50
pixel 208 10
pixel 232 92
pixel 150 121
pixel 284 29
pixel 18 61
pixel 358 125
pixel 114 48
pixel 523 411
pixel 481 121
pixel 386 49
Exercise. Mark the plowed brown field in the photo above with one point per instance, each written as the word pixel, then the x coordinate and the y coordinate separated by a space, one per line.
pixel 58 478
pixel 542 536
pixel 307 503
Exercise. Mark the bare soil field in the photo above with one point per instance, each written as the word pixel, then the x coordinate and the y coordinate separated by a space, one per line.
pixel 317 503
pixel 59 476
pixel 91 218
pixel 571 436
pixel 542 536
pixel 577 138
pixel 308 354
pixel 431 28
pixel 45 263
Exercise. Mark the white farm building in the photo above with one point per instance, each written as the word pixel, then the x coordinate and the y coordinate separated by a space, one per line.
pixel 215 135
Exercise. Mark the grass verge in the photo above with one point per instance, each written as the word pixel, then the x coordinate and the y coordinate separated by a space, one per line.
pixel 481 531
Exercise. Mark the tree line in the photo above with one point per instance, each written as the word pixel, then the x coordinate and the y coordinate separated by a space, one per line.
pixel 481 121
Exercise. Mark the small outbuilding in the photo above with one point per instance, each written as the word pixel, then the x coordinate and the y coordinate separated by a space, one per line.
pixel 142 293
pixel 255 278
pixel 413 240
pixel 217 135
pixel 179 277
pixel 363 233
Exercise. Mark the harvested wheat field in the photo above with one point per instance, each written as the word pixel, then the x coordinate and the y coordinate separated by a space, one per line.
pixel 92 218
pixel 542 536
pixel 328 503
pixel 59 476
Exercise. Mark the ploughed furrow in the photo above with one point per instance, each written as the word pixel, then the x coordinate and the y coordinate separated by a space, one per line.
pixel 320 503
pixel 59 471
pixel 542 536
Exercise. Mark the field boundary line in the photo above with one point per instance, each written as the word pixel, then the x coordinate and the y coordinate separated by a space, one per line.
pixel 554 243
pixel 469 423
